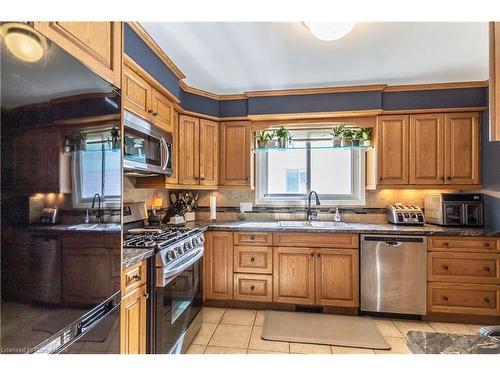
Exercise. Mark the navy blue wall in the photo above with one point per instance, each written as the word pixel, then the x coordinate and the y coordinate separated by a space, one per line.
pixel 490 175
pixel 233 108
pixel 149 61
pixel 200 104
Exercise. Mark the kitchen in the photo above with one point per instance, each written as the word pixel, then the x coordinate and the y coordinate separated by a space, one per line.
pixel 161 211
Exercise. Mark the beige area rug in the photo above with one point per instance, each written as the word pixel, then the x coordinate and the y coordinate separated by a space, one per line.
pixel 314 328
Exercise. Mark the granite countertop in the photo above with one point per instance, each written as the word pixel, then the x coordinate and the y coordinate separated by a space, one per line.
pixel 273 226
pixel 133 256
pixel 77 228
pixel 447 343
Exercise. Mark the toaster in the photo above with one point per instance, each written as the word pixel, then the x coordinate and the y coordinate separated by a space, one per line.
pixel 50 216
pixel 406 214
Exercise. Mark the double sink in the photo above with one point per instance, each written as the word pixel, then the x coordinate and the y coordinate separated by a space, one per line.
pixel 298 224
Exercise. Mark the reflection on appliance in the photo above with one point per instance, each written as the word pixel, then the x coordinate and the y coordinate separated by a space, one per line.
pixel 57 287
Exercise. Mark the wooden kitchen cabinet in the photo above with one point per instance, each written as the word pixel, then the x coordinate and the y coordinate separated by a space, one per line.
pixel 293 276
pixel 235 154
pixel 174 177
pixel 462 148
pixel 97 44
pixel 427 149
pixel 392 156
pixel 189 150
pixel 133 321
pixel 209 152
pixel 140 97
pixel 494 82
pixel 218 266
pixel 337 277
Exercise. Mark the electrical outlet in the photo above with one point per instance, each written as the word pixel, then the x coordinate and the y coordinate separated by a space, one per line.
pixel 246 206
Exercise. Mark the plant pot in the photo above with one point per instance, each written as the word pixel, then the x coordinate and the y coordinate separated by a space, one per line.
pixel 367 143
pixel 282 142
pixel 346 142
pixel 273 143
pixel 261 144
pixel 337 141
pixel 355 142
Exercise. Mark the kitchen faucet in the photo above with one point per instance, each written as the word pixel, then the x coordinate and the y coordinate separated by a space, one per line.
pixel 312 214
pixel 99 214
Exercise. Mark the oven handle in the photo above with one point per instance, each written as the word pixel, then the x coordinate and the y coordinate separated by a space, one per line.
pixel 172 273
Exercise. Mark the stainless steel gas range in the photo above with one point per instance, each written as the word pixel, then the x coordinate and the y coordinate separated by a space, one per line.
pixel 174 281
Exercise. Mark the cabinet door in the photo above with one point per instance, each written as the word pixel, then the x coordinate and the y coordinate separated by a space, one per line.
pixel 97 44
pixel 218 265
pixel 494 82
pixel 136 93
pixel 133 322
pixel 235 153
pixel 174 177
pixel 427 149
pixel 293 278
pixel 337 279
pixel 209 152
pixel 462 148
pixel 162 110
pixel 392 155
pixel 189 143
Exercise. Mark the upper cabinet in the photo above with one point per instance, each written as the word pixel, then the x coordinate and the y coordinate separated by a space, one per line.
pixel 428 149
pixel 198 151
pixel 494 83
pixel 97 44
pixel 235 153
pixel 140 97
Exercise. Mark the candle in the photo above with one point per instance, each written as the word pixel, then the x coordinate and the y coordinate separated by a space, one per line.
pixel 213 207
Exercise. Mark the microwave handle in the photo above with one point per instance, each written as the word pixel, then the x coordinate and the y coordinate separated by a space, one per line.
pixel 165 154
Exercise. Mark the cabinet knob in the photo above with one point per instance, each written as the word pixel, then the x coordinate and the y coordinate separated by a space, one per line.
pixel 311 255
pixel 252 288
pixel 445 298
pixel 487 269
pixel 446 244
pixel 445 267
pixel 486 244
pixel 150 111
pixel 155 113
pixel 487 300
pixel 252 238
pixel 246 179
pixel 318 255
pixel 380 178
pixel 136 277
pixel 252 259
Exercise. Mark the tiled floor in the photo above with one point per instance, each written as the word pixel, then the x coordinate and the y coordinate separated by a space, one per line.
pixel 235 331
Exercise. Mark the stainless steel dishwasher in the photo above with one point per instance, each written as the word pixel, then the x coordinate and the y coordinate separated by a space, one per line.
pixel 393 274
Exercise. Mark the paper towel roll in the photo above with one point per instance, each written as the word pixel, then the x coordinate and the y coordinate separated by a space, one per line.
pixel 213 207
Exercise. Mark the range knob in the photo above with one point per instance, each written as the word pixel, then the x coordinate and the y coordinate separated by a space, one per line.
pixel 178 251
pixel 195 241
pixel 187 246
pixel 171 255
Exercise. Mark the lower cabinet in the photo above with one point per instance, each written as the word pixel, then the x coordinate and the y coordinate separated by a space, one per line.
pixel 253 287
pixel 133 310
pixel 218 266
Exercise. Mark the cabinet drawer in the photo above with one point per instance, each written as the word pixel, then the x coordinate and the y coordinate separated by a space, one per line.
pixel 133 277
pixel 316 240
pixel 463 298
pixel 253 287
pixel 472 244
pixel 253 259
pixel 464 267
pixel 254 238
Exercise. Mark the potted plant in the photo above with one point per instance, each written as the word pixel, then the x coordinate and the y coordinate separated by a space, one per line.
pixel 347 136
pixel 265 139
pixel 283 136
pixel 356 137
pixel 366 134
pixel 337 133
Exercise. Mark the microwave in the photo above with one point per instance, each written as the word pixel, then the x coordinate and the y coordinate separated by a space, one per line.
pixel 147 149
pixel 454 209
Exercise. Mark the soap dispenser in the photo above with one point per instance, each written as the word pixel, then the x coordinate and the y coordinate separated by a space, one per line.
pixel 337 217
pixel 87 217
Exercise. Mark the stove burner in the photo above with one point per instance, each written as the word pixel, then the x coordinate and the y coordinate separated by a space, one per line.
pixel 165 236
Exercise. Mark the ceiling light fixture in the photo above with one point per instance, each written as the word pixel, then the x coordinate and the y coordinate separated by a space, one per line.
pixel 23 42
pixel 329 31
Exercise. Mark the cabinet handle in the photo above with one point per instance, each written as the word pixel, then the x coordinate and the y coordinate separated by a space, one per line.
pixel 446 244
pixel 252 238
pixel 311 255
pixel 150 111
pixel 445 298
pixel 252 288
pixel 246 179
pixel 445 267
pixel 380 178
pixel 487 300
pixel 252 259
pixel 487 269
pixel 155 113
pixel 318 255
pixel 136 277
pixel 146 295
pixel 486 244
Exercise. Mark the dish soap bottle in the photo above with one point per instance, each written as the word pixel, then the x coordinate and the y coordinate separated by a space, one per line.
pixel 336 216
pixel 242 216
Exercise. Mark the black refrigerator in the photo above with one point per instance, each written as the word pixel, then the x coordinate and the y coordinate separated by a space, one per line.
pixel 60 200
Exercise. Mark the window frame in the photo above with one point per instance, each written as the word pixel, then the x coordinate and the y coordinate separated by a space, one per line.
pixel 358 183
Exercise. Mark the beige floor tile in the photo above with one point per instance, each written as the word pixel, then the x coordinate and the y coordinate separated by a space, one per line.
pixel 231 335
pixel 459 329
pixel 205 333
pixel 387 328
pixel 256 343
pixel 475 327
pixel 259 318
pixel 398 346
pixel 412 325
pixel 347 350
pixel 298 348
pixel 236 316
pixel 253 351
pixel 211 314
pixel 195 349
pixel 224 350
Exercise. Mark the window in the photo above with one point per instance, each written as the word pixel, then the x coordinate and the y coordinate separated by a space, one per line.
pixel 286 177
pixel 96 170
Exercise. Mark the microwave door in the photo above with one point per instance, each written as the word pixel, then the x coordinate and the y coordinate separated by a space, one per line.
pixel 453 214
pixel 473 214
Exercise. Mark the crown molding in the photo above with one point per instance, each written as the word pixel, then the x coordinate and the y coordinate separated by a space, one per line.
pixel 312 91
pixel 144 35
pixel 437 86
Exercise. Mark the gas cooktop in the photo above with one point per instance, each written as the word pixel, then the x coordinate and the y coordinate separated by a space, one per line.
pixel 157 237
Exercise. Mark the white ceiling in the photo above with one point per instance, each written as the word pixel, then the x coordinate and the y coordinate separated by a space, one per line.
pixel 229 58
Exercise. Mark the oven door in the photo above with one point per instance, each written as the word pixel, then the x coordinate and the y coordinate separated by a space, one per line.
pixel 147 148
pixel 177 304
